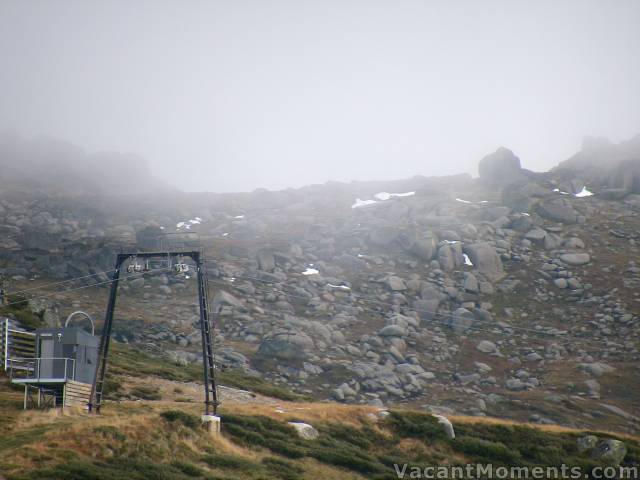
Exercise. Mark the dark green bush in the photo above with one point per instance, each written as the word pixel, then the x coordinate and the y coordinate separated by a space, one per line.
pixel 188 469
pixel 178 416
pixel 229 462
pixel 146 392
pixel 416 425
pixel 486 451
pixel 282 469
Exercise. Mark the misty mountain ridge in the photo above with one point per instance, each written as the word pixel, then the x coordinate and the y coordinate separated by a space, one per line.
pixel 58 167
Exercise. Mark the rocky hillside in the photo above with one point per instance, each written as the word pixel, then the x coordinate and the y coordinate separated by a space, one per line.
pixel 514 294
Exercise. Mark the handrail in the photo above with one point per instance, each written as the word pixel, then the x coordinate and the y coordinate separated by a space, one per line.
pixel 35 365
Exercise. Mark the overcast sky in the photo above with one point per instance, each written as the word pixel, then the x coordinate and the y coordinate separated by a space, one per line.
pixel 236 95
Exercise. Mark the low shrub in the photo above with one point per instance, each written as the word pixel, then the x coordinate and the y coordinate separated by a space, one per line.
pixel 146 392
pixel 178 416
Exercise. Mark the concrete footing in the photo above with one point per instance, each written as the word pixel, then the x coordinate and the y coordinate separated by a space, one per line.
pixel 212 424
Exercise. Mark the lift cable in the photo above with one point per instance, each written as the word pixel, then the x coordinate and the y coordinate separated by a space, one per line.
pixel 53 284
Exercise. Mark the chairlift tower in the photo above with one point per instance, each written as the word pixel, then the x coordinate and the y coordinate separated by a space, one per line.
pixel 206 324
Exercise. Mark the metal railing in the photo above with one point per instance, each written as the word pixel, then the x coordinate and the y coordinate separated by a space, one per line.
pixel 42 368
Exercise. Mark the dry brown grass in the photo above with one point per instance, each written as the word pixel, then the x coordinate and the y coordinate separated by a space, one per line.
pixel 544 428
pixel 307 412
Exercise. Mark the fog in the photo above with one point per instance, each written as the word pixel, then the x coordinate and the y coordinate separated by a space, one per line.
pixel 232 96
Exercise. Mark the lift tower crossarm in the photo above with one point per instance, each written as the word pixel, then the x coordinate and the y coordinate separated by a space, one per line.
pixel 206 327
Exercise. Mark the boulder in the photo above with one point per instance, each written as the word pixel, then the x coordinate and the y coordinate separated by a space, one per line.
pixel 450 257
pixel 447 426
pixel 396 283
pixel 461 320
pixel 486 346
pixel 486 260
pixel 286 345
pixel 500 167
pixel 558 211
pixel 470 283
pixel 392 331
pixel 305 431
pixel 222 298
pixel 626 176
pixel 575 259
pixel 425 248
pixel 610 451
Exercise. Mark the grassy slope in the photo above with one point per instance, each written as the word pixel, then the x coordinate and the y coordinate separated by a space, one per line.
pixel 125 360
pixel 163 440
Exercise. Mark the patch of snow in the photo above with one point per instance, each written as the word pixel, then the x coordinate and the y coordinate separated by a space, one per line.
pixel 225 234
pixel 467 260
pixel 468 202
pixel 339 287
pixel 557 190
pixel 239 216
pixel 584 193
pixel 386 196
pixel 196 221
pixel 451 242
pixel 310 271
pixel 525 214
pixel 363 203
pixel 360 255
pixel 180 224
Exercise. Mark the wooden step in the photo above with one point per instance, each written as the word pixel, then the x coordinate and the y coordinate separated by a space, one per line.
pixel 76 393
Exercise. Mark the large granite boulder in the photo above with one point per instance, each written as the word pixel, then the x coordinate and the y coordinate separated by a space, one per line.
pixel 286 345
pixel 486 260
pixel 558 211
pixel 500 168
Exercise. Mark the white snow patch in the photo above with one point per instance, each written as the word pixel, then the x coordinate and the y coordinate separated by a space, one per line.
pixel 583 193
pixel 180 224
pixel 468 202
pixel 557 190
pixel 525 214
pixel 386 196
pixel 363 203
pixel 239 216
pixel 339 287
pixel 196 221
pixel 467 260
pixel 360 255
pixel 451 242
pixel 225 234
pixel 310 271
